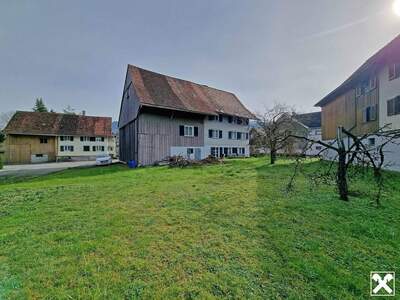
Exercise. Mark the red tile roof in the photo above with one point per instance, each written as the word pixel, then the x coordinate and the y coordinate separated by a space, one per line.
pixel 38 123
pixel 157 90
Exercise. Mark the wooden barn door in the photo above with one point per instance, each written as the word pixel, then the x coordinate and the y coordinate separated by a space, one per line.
pixel 19 154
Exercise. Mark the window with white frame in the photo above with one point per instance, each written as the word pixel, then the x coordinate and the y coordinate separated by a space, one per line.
pixel 99 138
pixel 66 148
pixel 214 151
pixel 372 83
pixel 98 148
pixel 85 139
pixel 215 134
pixel 394 71
pixel 67 138
pixel 189 131
pixel 393 106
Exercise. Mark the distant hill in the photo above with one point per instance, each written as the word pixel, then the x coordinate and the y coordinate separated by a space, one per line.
pixel 114 127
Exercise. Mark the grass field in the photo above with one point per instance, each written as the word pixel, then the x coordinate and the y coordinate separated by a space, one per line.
pixel 222 231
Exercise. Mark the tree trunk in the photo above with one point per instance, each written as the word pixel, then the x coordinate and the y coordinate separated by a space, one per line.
pixel 341 179
pixel 273 156
pixel 379 182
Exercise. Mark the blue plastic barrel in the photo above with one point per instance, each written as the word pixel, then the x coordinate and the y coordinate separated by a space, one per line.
pixel 132 164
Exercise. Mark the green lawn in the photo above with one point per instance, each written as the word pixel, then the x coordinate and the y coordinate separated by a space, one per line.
pixel 221 231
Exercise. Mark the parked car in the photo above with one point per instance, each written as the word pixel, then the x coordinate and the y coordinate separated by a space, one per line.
pixel 103 160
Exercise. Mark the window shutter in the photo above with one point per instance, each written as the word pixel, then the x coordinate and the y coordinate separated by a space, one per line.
pixel 230 135
pixel 181 130
pixel 239 135
pixel 247 136
pixel 390 107
pixel 209 133
pixel 196 131
pixel 396 105
pixel 220 134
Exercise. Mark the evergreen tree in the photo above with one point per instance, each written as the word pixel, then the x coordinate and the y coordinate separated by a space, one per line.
pixel 40 106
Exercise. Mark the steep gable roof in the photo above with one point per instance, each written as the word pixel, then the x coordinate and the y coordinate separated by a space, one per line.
pixel 311 120
pixel 44 123
pixel 158 90
pixel 389 52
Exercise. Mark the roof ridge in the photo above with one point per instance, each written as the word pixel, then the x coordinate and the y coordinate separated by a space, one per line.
pixel 177 78
pixel 58 113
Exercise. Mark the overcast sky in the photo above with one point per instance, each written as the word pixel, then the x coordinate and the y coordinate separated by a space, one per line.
pixel 75 52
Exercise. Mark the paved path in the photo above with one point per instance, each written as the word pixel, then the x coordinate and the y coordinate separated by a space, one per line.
pixel 41 169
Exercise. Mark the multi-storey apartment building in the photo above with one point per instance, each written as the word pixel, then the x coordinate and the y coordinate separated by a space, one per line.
pixel 163 116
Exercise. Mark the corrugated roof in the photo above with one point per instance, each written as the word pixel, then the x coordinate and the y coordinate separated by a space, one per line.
pixel 154 89
pixel 43 123
pixel 390 51
pixel 312 120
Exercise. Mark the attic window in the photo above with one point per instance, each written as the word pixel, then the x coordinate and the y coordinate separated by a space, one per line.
pixel 358 91
pixel 372 83
pixel 394 71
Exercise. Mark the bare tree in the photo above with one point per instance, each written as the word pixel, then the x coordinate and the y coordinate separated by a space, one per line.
pixel 69 110
pixel 4 118
pixel 275 126
pixel 358 152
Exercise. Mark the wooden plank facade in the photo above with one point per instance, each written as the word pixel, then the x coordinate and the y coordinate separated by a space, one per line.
pixel 20 148
pixel 347 110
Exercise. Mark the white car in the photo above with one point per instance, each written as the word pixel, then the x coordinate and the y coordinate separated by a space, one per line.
pixel 103 160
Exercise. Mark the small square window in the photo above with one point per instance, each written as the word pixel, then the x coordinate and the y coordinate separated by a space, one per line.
pixel 371 142
pixel 43 140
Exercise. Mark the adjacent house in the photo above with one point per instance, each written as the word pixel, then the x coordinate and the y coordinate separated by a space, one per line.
pixel 163 116
pixel 312 123
pixel 368 100
pixel 33 137
pixel 307 125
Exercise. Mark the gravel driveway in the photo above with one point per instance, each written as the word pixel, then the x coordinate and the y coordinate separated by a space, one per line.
pixel 41 169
